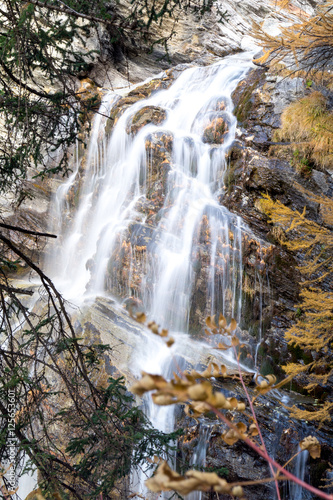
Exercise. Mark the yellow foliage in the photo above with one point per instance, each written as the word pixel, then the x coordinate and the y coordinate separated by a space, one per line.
pixel 311 444
pixel 310 41
pixel 309 123
pixel 313 332
pixel 320 415
pixel 165 479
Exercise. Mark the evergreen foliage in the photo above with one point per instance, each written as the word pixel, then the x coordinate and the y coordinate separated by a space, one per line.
pixel 43 49
pixel 73 421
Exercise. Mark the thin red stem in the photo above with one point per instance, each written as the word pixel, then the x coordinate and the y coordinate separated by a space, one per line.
pixel 260 452
pixel 256 422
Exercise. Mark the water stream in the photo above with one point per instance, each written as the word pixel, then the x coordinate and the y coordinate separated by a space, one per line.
pixel 101 239
pixel 198 459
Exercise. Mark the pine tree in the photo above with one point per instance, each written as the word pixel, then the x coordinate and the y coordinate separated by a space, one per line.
pixel 41 107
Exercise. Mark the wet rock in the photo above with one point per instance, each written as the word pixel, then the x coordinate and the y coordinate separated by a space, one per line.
pixel 281 435
pixel 147 114
pixel 141 235
pixel 216 130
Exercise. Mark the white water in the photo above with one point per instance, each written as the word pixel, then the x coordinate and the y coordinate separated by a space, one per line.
pixel 300 470
pixel 115 183
pixel 199 455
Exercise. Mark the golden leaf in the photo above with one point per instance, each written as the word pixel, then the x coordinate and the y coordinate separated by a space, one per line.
pixel 223 370
pixel 311 444
pixel 253 430
pixel 140 317
pixel 234 341
pixel 163 399
pixel 153 327
pixel 216 370
pixel 237 491
pixel 148 383
pixel 210 322
pixel 222 321
pixel 242 427
pixel 218 400
pixel 230 437
pixel 170 342
pixel 233 325
pixel 198 408
pixel 233 402
pixel 222 347
pixel 200 392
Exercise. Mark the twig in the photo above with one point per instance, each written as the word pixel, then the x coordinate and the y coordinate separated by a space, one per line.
pixel 15 290
pixel 270 460
pixel 256 422
pixel 27 231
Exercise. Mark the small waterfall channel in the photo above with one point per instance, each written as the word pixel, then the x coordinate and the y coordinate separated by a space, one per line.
pixel 101 239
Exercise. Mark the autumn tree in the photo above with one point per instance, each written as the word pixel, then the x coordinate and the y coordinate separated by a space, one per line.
pixel 313 243
pixel 308 43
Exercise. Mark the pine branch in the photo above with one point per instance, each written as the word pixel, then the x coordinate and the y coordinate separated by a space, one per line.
pixel 67 10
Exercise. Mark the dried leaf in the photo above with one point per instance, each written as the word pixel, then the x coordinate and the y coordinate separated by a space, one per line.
pixel 253 430
pixel 218 400
pixel 163 399
pixel 230 437
pixel 242 427
pixel 223 370
pixel 233 325
pixel 311 444
pixel 237 491
pixel 153 327
pixel 210 322
pixel 233 402
pixel 222 347
pixel 148 383
pixel 222 321
pixel 200 392
pixel 170 342
pixel 140 317
pixel 235 341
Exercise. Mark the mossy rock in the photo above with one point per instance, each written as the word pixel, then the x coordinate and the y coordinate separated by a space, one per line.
pixel 245 97
pixel 215 131
pixel 147 114
pixel 145 90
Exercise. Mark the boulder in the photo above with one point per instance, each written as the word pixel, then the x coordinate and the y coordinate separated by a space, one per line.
pixel 147 114
pixel 215 131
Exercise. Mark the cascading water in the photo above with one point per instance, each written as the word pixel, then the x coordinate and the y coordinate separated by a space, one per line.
pixel 296 492
pixel 104 239
pixel 199 455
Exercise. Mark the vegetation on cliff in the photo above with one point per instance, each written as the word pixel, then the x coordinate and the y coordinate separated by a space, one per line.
pixel 45 47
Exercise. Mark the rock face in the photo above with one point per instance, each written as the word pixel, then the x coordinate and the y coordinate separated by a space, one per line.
pixel 238 463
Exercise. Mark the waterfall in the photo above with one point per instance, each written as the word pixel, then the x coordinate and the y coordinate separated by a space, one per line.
pixel 198 458
pixel 295 490
pixel 112 237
